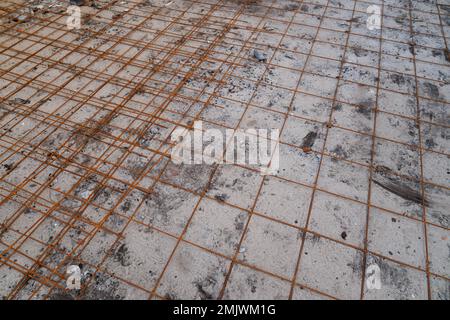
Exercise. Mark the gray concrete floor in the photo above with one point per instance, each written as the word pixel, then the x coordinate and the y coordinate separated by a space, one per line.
pixel 86 176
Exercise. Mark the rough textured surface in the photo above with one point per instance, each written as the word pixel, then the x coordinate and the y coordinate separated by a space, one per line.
pixel 86 177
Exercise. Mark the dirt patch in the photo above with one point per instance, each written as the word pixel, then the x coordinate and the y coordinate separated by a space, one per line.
pixel 308 140
pixel 386 179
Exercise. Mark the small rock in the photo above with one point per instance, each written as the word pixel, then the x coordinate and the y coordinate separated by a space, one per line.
pixel 259 56
pixel 344 235
pixel 84 194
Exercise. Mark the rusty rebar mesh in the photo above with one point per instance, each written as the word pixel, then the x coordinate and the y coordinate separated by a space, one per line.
pixel 86 178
